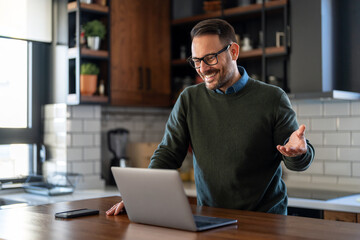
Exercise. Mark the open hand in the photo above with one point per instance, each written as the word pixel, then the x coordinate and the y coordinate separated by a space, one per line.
pixel 296 145
pixel 116 209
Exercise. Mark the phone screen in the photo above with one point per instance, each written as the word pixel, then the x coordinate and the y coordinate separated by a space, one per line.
pixel 76 213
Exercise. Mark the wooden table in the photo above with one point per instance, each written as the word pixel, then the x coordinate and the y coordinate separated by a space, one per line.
pixel 38 222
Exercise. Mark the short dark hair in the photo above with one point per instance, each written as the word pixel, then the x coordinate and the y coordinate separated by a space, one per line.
pixel 214 26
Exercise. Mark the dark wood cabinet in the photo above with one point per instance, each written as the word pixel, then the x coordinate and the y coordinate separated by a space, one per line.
pixel 341 216
pixel 140 57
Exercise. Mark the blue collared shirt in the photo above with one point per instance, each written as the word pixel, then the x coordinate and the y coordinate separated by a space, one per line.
pixel 239 84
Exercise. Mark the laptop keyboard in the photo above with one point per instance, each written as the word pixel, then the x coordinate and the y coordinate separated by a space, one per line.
pixel 202 221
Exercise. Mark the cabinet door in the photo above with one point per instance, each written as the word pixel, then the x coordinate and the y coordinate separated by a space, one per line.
pixel 140 39
pixel 127 36
pixel 158 47
pixel 340 216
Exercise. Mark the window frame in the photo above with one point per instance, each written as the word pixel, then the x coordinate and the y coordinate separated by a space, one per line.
pixel 37 77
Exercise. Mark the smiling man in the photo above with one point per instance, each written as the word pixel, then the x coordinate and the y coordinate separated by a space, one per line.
pixel 240 130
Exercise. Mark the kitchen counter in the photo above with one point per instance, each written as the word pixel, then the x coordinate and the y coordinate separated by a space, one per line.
pixel 299 198
pixel 20 195
pixel 38 222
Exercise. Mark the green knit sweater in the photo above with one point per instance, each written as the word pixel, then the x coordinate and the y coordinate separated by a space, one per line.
pixel 233 138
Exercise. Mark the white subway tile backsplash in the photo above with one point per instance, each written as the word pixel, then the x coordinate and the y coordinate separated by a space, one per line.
pixel 325 153
pixel 355 108
pixel 74 125
pixel 83 167
pixel 68 140
pixel 83 112
pixel 74 154
pixel 356 169
pixel 349 181
pixel 337 108
pixel 90 182
pixel 355 139
pixel 92 126
pixel 337 138
pixel 314 138
pixel 82 140
pixel 349 154
pixel 97 112
pixel 129 125
pixel 140 126
pixel 324 179
pixel 61 139
pixel 97 168
pixel 315 168
pixel 323 124
pixel 349 124
pixel 59 125
pixel 48 111
pixel 339 169
pixel 92 153
pixel 50 139
pixel 97 139
pixel 136 137
pixel 310 109
pixel 54 125
pixel 305 121
pixel 298 177
pixel 60 110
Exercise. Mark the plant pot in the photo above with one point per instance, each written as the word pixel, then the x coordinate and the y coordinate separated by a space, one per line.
pixel 88 84
pixel 93 42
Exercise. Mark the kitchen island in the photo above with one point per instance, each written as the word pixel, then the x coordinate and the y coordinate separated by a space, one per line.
pixel 38 222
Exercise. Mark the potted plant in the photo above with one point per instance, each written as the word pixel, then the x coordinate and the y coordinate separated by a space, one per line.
pixel 94 32
pixel 88 78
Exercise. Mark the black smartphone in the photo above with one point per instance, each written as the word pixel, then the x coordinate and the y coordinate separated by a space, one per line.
pixel 77 213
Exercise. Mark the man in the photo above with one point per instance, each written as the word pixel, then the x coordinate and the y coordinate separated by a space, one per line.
pixel 240 129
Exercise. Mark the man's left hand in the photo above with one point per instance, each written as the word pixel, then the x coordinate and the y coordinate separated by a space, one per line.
pixel 296 145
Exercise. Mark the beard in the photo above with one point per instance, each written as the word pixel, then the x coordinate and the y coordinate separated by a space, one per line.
pixel 219 80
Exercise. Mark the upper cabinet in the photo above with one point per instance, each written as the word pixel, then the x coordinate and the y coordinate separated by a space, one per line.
pixel 262 31
pixel 88 51
pixel 140 57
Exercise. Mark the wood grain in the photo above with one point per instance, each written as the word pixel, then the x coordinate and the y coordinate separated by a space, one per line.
pixel 140 57
pixel 38 222
pixel 340 216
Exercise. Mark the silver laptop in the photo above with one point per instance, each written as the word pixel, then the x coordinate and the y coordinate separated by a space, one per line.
pixel 157 197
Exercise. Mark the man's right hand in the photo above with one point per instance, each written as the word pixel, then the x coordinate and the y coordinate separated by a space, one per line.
pixel 116 209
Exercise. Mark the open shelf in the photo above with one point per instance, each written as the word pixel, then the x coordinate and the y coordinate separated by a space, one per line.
pixel 86 52
pixel 256 53
pixel 249 9
pixel 72 6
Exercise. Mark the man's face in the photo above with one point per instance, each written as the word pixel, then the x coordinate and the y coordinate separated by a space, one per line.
pixel 216 76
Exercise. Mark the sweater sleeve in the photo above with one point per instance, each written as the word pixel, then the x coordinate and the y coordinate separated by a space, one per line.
pixel 300 163
pixel 285 125
pixel 174 146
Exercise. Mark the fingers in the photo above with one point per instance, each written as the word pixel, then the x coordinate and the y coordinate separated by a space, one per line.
pixel 301 130
pixel 119 208
pixel 116 209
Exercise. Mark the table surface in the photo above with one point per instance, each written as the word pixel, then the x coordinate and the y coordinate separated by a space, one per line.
pixel 38 222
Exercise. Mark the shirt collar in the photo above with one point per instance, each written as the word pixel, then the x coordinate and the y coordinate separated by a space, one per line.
pixel 238 85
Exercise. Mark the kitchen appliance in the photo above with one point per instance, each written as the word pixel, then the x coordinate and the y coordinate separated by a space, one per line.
pixel 117 141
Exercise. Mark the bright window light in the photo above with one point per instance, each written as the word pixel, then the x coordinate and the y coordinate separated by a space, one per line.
pixel 14 160
pixel 13 83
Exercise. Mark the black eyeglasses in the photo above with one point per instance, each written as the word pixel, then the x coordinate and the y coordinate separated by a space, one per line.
pixel 210 59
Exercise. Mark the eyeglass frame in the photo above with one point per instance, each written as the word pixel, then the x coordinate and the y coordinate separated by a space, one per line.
pixel 203 58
